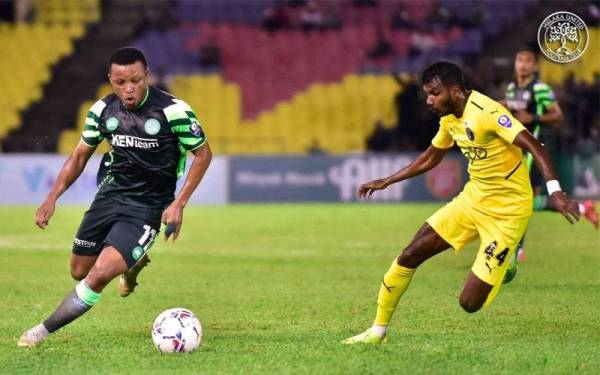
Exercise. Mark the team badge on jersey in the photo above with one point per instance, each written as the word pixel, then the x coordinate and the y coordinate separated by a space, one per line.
pixel 195 129
pixel 112 124
pixel 152 126
pixel 470 134
pixel 504 121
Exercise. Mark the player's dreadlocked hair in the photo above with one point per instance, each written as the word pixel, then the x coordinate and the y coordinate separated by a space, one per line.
pixel 447 72
pixel 127 56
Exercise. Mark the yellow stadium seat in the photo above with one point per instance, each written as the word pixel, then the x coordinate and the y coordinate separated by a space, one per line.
pixel 37 44
pixel 339 115
pixel 67 141
pixel 103 90
pixel 84 108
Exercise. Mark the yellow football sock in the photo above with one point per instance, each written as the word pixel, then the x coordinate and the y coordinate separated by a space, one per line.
pixel 395 282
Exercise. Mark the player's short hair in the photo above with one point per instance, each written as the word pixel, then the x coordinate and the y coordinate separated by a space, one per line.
pixel 448 73
pixel 530 49
pixel 127 56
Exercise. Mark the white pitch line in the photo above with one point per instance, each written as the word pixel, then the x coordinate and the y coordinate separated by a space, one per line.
pixel 29 243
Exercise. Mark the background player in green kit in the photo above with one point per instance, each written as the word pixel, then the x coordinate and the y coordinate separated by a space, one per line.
pixel 533 103
pixel 150 132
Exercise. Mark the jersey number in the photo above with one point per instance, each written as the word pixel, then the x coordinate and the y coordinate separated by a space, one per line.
pixel 501 256
pixel 148 237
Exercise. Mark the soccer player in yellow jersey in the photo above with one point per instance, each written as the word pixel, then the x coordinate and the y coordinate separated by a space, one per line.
pixel 494 206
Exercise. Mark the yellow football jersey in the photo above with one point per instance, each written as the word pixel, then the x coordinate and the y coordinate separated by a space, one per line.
pixel 499 180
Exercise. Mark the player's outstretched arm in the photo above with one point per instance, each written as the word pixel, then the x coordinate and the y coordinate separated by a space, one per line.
pixel 70 171
pixel 424 162
pixel 173 215
pixel 561 201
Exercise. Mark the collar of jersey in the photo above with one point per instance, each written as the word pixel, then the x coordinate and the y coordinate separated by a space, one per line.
pixel 143 100
pixel 529 81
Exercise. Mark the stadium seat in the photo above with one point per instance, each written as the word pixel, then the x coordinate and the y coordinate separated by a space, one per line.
pixel 42 44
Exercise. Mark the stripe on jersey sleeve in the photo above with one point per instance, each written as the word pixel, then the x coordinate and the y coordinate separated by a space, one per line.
pixel 185 125
pixel 91 135
pixel 544 96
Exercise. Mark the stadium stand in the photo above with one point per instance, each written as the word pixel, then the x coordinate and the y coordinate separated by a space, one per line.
pixel 41 45
pixel 73 14
pixel 300 72
pixel 331 81
pixel 305 79
pixel 340 114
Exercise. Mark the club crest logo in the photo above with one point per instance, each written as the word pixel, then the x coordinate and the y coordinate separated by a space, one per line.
pixel 137 252
pixel 504 121
pixel 563 37
pixel 152 126
pixel 112 124
pixel 470 134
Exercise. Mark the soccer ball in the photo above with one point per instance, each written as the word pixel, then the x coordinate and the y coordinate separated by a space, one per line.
pixel 176 330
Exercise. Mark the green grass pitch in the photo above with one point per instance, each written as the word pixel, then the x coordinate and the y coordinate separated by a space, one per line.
pixel 276 288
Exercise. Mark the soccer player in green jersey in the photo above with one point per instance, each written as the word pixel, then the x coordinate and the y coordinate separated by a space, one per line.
pixel 150 132
pixel 533 103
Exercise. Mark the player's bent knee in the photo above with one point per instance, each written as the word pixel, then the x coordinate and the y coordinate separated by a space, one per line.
pixel 469 304
pixel 411 257
pixel 407 259
pixel 78 274
pixel 97 279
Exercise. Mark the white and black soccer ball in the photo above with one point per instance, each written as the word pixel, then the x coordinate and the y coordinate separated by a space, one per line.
pixel 176 330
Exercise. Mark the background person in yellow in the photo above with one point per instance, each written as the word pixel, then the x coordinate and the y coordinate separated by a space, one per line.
pixel 495 205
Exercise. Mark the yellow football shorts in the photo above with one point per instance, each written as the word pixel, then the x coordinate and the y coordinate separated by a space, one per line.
pixel 459 222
